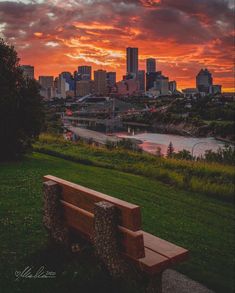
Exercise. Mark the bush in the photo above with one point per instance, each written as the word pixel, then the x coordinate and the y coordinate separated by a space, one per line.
pixel 21 118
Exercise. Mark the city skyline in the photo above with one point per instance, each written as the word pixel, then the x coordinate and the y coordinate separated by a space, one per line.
pixel 55 36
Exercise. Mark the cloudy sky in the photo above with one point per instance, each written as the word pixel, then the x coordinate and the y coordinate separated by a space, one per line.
pixel 183 35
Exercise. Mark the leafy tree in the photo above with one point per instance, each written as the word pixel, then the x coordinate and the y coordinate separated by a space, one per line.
pixel 21 106
pixel 183 155
pixel 159 152
pixel 225 155
pixel 170 150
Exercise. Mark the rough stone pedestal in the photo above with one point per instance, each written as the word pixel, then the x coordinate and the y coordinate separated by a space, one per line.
pixel 53 213
pixel 154 284
pixel 106 240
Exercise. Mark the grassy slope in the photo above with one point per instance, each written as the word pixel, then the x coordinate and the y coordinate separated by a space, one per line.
pixel 203 225
pixel 215 180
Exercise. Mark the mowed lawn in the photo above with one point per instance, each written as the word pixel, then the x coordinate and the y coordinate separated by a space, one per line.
pixel 203 225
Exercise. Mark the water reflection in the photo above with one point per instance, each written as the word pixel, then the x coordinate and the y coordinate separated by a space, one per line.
pixel 151 142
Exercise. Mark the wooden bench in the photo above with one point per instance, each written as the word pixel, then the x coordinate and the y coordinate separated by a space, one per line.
pixel 147 252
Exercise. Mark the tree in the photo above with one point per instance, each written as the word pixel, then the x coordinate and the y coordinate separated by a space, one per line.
pixel 183 155
pixel 170 150
pixel 159 152
pixel 21 117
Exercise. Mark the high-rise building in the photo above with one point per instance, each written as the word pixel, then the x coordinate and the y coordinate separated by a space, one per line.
pixel 84 72
pixel 69 80
pixel 46 81
pixel 162 84
pixel 100 82
pixel 62 84
pixel 111 79
pixel 204 81
pixel 172 86
pixel 150 65
pixel 151 78
pixel 47 86
pixel 132 61
pixel 141 79
pixel 84 87
pixel 28 71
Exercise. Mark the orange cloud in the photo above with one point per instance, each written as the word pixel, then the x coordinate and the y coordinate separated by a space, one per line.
pixel 182 35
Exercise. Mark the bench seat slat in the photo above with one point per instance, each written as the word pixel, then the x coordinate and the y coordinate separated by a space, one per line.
pixel 153 262
pixel 85 198
pixel 169 250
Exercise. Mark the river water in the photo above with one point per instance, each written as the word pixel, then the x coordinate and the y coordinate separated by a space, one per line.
pixel 151 142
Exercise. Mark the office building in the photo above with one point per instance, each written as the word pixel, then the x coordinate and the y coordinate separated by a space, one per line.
pixel 204 81
pixel 141 79
pixel 111 79
pixel 46 81
pixel 132 61
pixel 172 86
pixel 162 84
pixel 84 87
pixel 47 86
pixel 62 85
pixel 190 92
pixel 69 80
pixel 28 71
pixel 151 78
pixel 128 87
pixel 150 65
pixel 84 72
pixel 100 82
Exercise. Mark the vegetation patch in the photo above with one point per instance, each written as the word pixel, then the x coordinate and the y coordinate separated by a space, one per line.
pixel 212 179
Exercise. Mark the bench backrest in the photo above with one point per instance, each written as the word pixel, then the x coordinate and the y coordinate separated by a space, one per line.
pixel 78 204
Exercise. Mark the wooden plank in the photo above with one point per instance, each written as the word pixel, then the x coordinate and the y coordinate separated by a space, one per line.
pixel 173 252
pixel 153 262
pixel 82 197
pixel 131 243
pixel 79 219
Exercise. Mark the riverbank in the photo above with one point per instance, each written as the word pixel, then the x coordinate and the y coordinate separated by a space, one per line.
pixel 204 129
pixel 93 136
pixel 212 179
pixel 151 142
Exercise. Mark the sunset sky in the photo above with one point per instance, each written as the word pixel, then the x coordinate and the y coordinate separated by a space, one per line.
pixel 183 35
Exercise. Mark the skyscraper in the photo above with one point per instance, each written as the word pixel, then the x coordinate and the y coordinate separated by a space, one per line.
pixel 111 78
pixel 46 81
pixel 204 81
pixel 162 84
pixel 100 82
pixel 28 71
pixel 150 65
pixel 141 79
pixel 151 78
pixel 172 86
pixel 69 80
pixel 132 61
pixel 84 87
pixel 84 72
pixel 47 86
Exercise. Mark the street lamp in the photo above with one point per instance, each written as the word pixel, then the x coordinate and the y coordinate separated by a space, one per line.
pixel 193 147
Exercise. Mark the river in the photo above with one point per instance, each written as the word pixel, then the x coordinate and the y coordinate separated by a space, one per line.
pixel 151 142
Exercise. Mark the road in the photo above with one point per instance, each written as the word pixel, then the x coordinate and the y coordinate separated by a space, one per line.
pixel 99 137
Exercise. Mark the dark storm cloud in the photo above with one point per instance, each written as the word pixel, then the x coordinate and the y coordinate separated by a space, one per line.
pixel 186 31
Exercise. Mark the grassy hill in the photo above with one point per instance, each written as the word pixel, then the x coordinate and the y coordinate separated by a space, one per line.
pixel 203 224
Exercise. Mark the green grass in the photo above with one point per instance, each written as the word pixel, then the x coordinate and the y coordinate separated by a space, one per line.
pixel 202 224
pixel 212 179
